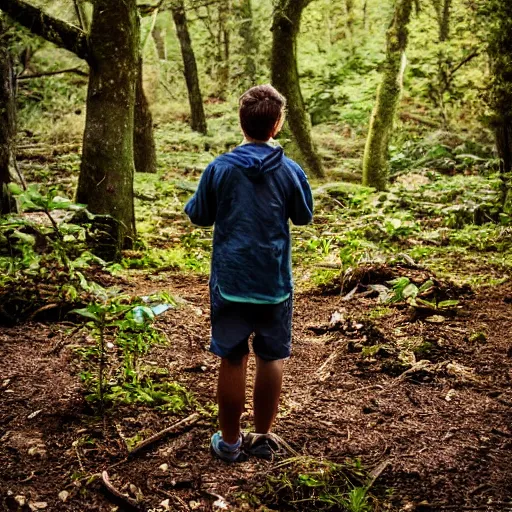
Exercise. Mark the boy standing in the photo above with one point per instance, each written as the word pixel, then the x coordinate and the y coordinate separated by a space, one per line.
pixel 249 194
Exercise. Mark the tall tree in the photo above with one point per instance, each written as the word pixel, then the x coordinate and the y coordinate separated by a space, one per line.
pixel 144 149
pixel 198 118
pixel 106 174
pixel 108 142
pixel 375 160
pixel 498 17
pixel 224 48
pixel 285 77
pixel 7 123
pixel 443 12
pixel 250 43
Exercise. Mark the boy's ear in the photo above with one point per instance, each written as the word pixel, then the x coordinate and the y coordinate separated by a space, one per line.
pixel 279 124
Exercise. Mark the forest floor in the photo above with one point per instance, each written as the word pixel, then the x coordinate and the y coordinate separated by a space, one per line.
pixel 402 403
pixel 439 431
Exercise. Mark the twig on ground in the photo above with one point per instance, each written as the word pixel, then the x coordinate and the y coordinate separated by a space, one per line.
pixel 79 459
pixel 118 494
pixel 322 375
pixel 46 307
pixel 365 388
pixel 377 471
pixel 177 500
pixel 181 425
pixel 28 479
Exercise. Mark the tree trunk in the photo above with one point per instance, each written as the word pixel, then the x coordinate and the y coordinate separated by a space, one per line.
pixel 198 119
pixel 285 77
pixel 106 176
pixel 504 146
pixel 159 38
pixel 224 41
pixel 444 22
pixel 498 16
pixel 7 124
pixel 375 161
pixel 144 150
pixel 250 44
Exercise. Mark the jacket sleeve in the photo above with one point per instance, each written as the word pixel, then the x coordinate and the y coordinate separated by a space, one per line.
pixel 301 207
pixel 202 207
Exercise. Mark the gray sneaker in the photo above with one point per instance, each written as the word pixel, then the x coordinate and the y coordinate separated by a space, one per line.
pixel 264 446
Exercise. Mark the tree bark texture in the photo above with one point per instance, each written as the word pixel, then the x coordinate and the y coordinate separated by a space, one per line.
pixel 144 150
pixel 499 19
pixel 375 161
pixel 250 44
pixel 285 77
pixel 159 38
pixel 7 124
pixel 224 49
pixel 106 176
pixel 443 12
pixel 197 116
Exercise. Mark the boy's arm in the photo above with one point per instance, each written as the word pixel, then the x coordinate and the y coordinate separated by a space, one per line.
pixel 301 208
pixel 202 207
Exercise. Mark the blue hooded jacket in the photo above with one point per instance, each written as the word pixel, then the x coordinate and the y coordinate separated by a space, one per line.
pixel 250 193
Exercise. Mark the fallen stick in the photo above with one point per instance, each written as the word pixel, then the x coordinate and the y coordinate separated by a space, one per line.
pixel 365 388
pixel 185 423
pixel 376 472
pixel 118 494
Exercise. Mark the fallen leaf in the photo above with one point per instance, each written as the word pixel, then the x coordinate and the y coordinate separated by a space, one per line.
pixel 34 414
pixel 435 319
pixel 37 505
pixel 63 496
pixel 450 395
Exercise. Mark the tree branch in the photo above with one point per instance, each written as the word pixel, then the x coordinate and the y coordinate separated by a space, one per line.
pixel 52 29
pixel 78 71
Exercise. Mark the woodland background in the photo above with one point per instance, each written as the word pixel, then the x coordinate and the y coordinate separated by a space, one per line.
pixel 398 394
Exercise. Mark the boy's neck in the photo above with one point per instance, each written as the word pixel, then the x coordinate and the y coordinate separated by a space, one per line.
pixel 269 142
pixel 254 141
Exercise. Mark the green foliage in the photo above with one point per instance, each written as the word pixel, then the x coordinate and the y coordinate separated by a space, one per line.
pixel 46 252
pixel 305 483
pixel 123 334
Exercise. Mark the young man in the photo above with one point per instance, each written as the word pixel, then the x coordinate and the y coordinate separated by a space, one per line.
pixel 250 194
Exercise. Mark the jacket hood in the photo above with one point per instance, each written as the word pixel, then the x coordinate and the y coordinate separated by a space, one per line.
pixel 255 159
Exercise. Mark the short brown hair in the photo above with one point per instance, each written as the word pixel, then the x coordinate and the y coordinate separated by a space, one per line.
pixel 261 108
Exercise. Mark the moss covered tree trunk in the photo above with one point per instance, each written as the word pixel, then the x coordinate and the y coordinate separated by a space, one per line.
pixel 159 38
pixel 106 176
pixel 197 116
pixel 498 15
pixel 7 123
pixel 144 150
pixel 285 77
pixel 250 43
pixel 223 49
pixel 375 161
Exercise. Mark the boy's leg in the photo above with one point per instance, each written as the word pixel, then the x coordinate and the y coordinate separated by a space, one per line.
pixel 267 390
pixel 231 396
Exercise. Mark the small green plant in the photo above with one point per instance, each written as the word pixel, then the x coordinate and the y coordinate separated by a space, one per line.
pixel 304 483
pixel 404 290
pixel 123 333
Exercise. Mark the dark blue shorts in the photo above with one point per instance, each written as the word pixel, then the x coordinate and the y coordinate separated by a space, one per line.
pixel 234 322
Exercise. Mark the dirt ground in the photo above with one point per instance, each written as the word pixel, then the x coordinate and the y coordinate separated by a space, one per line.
pixel 442 423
